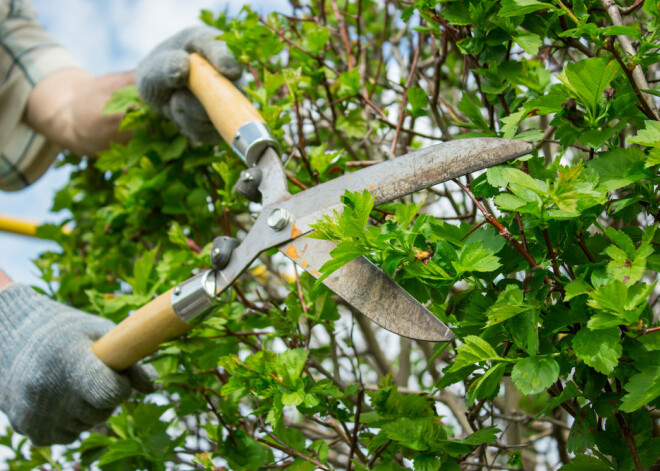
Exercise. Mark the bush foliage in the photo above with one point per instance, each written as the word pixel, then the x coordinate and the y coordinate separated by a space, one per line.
pixel 545 268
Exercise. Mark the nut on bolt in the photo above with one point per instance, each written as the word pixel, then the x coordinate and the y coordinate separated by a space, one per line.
pixel 279 218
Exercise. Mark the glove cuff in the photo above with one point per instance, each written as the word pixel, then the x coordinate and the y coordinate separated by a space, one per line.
pixel 18 303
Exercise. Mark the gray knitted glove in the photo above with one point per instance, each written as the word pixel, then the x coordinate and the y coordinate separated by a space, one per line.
pixel 161 78
pixel 53 386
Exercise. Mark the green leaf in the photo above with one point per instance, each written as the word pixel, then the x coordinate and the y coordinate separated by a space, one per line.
pixel 582 435
pixel 424 462
pixel 486 385
pixel 599 349
pixel 122 100
pixel 621 31
pixel 644 386
pixel 576 288
pixel 532 375
pixel 417 434
pixel 586 463
pixel 120 450
pixel 529 42
pixel 473 111
pixel 509 304
pixel 618 168
pixel 474 350
pixel 289 365
pixel 512 122
pixel 293 398
pixel 475 258
pixel 588 79
pixel 649 136
pixel 341 255
pixel 484 435
pixel 523 7
pixel 418 100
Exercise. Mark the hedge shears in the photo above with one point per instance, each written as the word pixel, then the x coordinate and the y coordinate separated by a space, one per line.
pixel 285 222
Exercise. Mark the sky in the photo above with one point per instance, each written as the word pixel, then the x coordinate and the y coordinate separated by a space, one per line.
pixel 104 36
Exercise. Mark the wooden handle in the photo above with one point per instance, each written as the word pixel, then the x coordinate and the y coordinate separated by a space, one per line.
pixel 140 334
pixel 143 332
pixel 226 105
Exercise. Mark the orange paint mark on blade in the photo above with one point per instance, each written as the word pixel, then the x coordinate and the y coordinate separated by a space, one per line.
pixel 304 264
pixel 371 187
pixel 315 273
pixel 292 253
pixel 295 232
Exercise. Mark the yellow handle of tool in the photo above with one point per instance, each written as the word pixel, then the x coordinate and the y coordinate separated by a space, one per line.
pixel 156 322
pixel 20 226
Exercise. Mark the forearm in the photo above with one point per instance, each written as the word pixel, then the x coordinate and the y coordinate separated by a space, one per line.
pixel 4 280
pixel 67 107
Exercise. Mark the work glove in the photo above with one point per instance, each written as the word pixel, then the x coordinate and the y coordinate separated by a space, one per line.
pixel 161 79
pixel 52 385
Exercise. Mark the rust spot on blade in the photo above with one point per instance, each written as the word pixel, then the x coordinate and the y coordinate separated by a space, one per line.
pixel 304 264
pixel 371 187
pixel 315 273
pixel 292 253
pixel 295 232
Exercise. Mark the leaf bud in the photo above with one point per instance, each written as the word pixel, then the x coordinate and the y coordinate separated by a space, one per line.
pixel 609 93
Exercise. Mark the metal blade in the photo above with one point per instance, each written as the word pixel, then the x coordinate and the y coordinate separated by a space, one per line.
pixel 403 175
pixel 370 291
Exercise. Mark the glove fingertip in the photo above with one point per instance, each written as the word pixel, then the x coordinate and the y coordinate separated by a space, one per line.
pixel 142 378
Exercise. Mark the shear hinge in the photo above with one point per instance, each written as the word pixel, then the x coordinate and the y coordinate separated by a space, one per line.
pixel 252 139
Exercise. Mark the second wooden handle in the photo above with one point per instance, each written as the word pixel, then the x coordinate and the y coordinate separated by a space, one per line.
pixel 227 107
pixel 140 334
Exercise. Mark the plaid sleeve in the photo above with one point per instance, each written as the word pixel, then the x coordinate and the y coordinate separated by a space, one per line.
pixel 27 54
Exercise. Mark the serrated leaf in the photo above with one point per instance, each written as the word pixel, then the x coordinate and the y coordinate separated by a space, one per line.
pixel 289 365
pixel 586 463
pixel 643 387
pixel 122 100
pixel 473 111
pixel 588 79
pixel 509 304
pixel 474 350
pixel 532 375
pixel 576 288
pixel 476 258
pixel 582 435
pixel 618 168
pixel 418 100
pixel 512 122
pixel 529 42
pixel 486 385
pixel 523 7
pixel 599 349
pixel 649 136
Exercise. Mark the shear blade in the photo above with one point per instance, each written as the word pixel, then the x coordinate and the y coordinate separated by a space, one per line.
pixel 370 291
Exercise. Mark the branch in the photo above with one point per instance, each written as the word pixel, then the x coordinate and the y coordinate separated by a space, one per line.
pixel 504 232
pixel 638 79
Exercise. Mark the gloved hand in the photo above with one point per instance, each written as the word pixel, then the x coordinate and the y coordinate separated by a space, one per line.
pixel 161 79
pixel 53 387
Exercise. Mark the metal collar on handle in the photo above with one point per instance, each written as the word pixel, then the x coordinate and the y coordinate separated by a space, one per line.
pixel 252 139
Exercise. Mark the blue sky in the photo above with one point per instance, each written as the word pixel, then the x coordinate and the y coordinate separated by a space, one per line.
pixel 104 36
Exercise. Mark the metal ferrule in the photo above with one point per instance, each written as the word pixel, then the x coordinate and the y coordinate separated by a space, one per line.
pixel 193 299
pixel 252 139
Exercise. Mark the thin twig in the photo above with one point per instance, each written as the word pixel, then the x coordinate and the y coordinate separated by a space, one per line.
pixel 504 232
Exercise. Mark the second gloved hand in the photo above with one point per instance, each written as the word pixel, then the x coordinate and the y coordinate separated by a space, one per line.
pixel 161 79
pixel 53 386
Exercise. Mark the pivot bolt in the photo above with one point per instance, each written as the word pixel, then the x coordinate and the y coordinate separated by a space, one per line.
pixel 247 176
pixel 278 218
